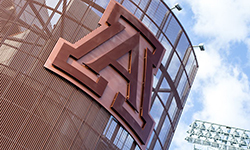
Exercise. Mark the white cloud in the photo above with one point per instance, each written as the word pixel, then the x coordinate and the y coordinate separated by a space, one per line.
pixel 225 20
pixel 179 142
pixel 222 87
pixel 224 97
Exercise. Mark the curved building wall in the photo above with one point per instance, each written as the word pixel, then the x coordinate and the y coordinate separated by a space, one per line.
pixel 41 110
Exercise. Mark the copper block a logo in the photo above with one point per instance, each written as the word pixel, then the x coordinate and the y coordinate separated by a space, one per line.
pixel 131 53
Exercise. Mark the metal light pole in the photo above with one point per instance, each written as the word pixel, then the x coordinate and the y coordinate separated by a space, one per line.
pixel 218 136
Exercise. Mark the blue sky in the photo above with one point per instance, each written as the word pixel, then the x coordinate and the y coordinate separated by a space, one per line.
pixel 221 91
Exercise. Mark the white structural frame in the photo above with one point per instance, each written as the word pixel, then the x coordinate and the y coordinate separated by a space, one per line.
pixel 218 136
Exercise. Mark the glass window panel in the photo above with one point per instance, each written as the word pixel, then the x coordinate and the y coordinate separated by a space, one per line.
pixel 128 143
pixel 118 136
pixel 174 66
pixel 157 145
pixel 110 128
pixel 172 109
pixel 52 3
pixel 153 28
pixel 138 13
pixel 168 48
pixel 60 8
pixel 164 84
pixel 137 147
pixel 97 12
pixel 143 4
pixel 155 81
pixel 164 96
pixel 136 1
pixel 191 68
pixel 146 21
pixel 152 8
pixel 190 62
pixel 182 84
pixel 160 13
pixel 150 140
pixel 170 16
pixel 102 3
pixel 49 11
pixel 164 130
pixel 172 30
pixel 55 19
pixel 123 138
pixel 156 111
pixel 156 78
pixel 192 73
pixel 182 45
pixel 185 94
pixel 128 5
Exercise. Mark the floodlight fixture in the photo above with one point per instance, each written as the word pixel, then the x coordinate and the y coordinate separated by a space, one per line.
pixel 219 130
pixel 218 136
pixel 193 125
pixel 236 134
pixel 177 6
pixel 242 142
pixel 199 133
pixel 244 135
pixel 211 128
pixel 202 126
pixel 201 46
pixel 208 135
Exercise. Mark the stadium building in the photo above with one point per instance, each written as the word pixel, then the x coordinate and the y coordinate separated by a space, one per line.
pixel 101 74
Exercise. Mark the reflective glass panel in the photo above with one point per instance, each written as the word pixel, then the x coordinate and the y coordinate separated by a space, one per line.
pixel 174 66
pixel 156 111
pixel 172 109
pixel 164 130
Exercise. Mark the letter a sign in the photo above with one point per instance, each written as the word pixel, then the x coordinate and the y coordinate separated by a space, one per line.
pixel 114 64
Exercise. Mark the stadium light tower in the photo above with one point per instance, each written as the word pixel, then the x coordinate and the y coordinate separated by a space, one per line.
pixel 218 136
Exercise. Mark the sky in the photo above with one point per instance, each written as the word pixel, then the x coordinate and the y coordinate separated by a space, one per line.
pixel 221 90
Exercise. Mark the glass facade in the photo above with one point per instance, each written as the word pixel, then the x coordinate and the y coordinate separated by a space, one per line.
pixel 40 110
